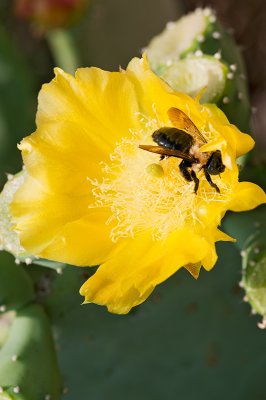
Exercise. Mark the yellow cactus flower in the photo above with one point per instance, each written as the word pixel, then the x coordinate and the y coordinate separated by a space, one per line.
pixel 93 196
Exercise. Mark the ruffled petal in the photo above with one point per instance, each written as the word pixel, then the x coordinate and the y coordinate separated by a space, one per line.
pixel 131 275
pixel 214 235
pixel 94 99
pixel 79 121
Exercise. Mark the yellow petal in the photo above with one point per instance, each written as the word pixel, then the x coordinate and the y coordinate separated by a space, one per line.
pixel 155 96
pixel 130 276
pixel 214 145
pixel 215 113
pixel 222 236
pixel 240 142
pixel 200 93
pixel 78 124
pixel 70 164
pixel 60 227
pixel 84 242
pixel 214 235
pixel 95 99
pixel 210 259
pixel 246 197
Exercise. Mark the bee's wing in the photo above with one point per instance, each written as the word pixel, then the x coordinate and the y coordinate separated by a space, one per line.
pixel 181 121
pixel 167 152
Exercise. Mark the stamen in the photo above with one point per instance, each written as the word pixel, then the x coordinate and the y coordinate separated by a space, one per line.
pixel 146 194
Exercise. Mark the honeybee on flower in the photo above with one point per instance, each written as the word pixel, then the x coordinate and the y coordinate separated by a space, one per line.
pixel 92 196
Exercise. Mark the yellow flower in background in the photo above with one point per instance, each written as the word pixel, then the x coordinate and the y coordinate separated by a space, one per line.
pixel 93 196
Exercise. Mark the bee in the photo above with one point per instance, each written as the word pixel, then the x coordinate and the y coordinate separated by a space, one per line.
pixel 183 140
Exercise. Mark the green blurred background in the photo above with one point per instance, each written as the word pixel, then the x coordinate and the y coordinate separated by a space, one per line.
pixel 190 340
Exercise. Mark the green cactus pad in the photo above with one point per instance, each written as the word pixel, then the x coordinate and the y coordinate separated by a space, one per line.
pixel 177 39
pixel 9 240
pixel 28 366
pixel 254 272
pixel 244 226
pixel 235 99
pixel 16 288
pixel 12 394
pixel 250 229
pixel 6 396
pixel 64 292
pixel 187 331
pixel 200 34
pixel 5 323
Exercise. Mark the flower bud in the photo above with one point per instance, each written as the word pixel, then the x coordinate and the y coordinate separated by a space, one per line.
pixel 49 14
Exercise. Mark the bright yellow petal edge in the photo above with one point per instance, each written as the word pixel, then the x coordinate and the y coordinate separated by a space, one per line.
pixel 92 196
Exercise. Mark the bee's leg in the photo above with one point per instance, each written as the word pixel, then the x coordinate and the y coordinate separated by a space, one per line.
pixel 195 179
pixel 162 158
pixel 189 175
pixel 183 166
pixel 209 179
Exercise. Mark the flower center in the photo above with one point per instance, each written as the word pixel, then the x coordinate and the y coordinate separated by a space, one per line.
pixel 145 193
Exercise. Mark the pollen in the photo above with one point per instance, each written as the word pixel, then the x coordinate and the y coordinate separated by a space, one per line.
pixel 156 170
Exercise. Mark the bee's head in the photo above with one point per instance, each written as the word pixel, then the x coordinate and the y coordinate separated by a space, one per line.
pixel 215 165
